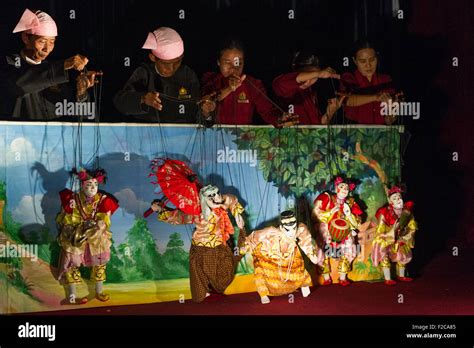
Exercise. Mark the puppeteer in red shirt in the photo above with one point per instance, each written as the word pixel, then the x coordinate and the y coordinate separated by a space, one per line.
pixel 239 106
pixel 304 101
pixel 357 84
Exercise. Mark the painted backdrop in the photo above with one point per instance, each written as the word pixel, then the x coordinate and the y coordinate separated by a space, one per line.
pixel 269 170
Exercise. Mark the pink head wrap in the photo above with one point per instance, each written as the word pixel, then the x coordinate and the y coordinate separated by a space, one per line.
pixel 39 23
pixel 165 43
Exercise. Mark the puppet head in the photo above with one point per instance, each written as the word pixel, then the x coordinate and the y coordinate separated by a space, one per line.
pixel 288 224
pixel 343 187
pixel 90 180
pixel 395 198
pixel 211 198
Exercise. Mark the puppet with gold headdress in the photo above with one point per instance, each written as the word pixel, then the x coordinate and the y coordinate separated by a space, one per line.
pixel 84 236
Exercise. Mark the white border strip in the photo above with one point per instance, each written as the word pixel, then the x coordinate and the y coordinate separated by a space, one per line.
pixel 401 128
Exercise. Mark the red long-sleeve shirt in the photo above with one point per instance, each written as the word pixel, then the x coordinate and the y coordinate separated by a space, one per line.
pixel 239 106
pixel 304 101
pixel 356 83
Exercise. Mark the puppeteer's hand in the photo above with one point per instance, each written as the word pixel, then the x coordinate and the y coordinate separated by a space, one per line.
pixel 76 62
pixel 329 73
pixel 208 105
pixel 236 81
pixel 334 104
pixel 152 99
pixel 383 97
pixel 86 80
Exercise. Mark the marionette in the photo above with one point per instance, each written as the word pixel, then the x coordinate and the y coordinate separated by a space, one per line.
pixel 212 262
pixel 278 263
pixel 395 236
pixel 84 237
pixel 339 217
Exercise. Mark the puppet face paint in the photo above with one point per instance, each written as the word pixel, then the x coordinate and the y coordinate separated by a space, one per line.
pixel 38 48
pixel 366 62
pixel 214 199
pixel 166 68
pixel 396 201
pixel 231 62
pixel 90 187
pixel 342 191
pixel 288 227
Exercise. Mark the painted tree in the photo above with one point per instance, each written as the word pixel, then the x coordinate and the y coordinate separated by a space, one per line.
pixel 175 258
pixel 303 160
pixel 373 195
pixel 125 264
pixel 144 251
pixel 2 190
pixel 114 266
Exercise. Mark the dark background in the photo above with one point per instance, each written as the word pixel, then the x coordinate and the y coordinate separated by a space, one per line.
pixel 416 50
pixel 108 31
